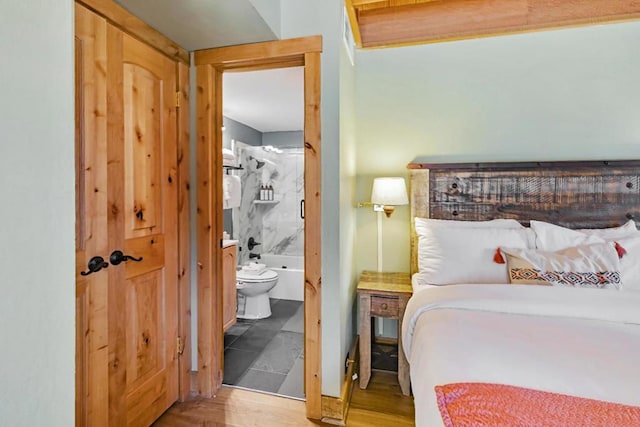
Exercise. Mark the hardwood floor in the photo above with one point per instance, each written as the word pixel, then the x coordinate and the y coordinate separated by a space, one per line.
pixel 381 404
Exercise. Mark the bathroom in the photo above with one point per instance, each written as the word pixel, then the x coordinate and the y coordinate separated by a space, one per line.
pixel 263 144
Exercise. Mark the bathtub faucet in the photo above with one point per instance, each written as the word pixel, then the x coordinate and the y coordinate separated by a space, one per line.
pixel 251 256
pixel 252 243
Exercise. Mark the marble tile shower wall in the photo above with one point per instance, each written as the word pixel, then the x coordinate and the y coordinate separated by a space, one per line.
pixel 278 226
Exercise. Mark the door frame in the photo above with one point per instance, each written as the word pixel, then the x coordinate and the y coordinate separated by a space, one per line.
pixel 210 66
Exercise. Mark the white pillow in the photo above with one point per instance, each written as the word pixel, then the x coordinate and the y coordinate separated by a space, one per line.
pixel 494 223
pixel 627 230
pixel 551 237
pixel 451 255
pixel 589 266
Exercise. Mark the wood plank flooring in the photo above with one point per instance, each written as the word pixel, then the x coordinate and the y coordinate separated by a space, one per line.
pixel 381 404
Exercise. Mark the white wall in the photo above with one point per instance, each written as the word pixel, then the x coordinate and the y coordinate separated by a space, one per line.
pixel 37 261
pixel 557 95
pixel 307 18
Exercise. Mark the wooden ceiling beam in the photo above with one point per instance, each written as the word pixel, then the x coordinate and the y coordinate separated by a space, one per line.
pixel 445 20
pixel 359 3
pixel 387 3
pixel 352 15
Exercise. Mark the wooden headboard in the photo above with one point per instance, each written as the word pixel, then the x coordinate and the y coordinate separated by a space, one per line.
pixel 591 194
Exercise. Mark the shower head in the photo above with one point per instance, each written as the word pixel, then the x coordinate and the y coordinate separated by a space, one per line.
pixel 259 163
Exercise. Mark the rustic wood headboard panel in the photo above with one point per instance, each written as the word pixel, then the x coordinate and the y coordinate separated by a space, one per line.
pixel 572 194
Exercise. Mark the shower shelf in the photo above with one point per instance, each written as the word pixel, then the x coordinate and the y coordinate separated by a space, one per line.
pixel 266 202
pixel 228 168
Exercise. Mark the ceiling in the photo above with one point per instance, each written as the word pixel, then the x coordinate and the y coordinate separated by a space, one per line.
pixel 267 100
pixel 201 24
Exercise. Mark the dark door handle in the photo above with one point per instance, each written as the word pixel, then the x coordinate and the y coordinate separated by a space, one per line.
pixel 95 264
pixel 302 208
pixel 117 257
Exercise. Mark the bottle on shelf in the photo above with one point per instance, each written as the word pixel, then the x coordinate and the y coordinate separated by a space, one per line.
pixel 263 190
pixel 271 192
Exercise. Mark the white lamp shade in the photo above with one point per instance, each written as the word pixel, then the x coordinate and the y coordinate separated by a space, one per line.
pixel 389 192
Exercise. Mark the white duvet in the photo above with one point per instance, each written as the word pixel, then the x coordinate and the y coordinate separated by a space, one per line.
pixel 580 342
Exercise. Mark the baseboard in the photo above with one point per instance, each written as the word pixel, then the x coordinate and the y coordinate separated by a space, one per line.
pixel 334 409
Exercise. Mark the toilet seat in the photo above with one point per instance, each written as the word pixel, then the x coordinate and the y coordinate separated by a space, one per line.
pixel 265 276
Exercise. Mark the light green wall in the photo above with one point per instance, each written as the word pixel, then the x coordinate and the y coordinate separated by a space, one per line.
pixel 569 94
pixel 37 251
pixel 348 246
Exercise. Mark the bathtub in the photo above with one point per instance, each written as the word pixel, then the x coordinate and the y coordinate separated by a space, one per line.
pixel 290 271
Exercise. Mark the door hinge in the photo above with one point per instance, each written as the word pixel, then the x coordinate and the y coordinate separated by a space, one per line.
pixel 178 99
pixel 180 346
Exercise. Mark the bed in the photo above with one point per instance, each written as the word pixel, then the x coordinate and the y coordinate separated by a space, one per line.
pixel 483 351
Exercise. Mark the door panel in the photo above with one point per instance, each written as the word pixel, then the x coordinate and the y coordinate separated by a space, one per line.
pixel 144 300
pixel 143 99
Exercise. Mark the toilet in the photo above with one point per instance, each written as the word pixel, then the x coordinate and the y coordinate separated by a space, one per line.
pixel 253 290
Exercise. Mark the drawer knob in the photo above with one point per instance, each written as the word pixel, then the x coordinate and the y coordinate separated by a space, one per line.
pixel 384 306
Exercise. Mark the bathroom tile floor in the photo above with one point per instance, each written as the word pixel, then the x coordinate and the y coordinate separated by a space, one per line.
pixel 267 354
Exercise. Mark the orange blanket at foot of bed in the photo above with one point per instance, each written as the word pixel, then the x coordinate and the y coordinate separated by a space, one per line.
pixel 480 404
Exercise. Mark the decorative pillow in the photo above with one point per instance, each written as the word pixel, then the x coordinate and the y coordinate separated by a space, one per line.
pixel 451 255
pixel 550 237
pixel 494 223
pixel 589 266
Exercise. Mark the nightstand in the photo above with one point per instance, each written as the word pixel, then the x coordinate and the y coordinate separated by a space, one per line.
pixel 382 295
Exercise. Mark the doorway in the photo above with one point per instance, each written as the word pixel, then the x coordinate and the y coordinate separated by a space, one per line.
pixel 210 66
pixel 263 200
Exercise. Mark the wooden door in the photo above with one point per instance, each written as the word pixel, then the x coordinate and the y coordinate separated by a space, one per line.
pixel 127 178
pixel 142 171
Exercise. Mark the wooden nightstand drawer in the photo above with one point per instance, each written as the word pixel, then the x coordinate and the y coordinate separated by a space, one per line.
pixel 384 307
